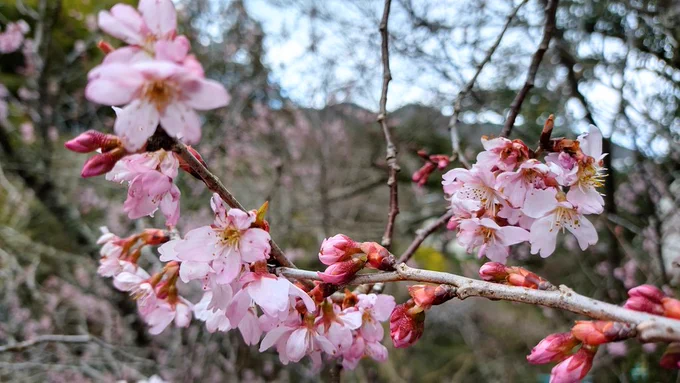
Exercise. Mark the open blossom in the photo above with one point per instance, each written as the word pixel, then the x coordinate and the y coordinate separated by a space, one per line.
pixel 272 293
pixel 553 216
pixel 491 239
pixel 226 244
pixel 154 92
pixel 375 308
pixel 531 174
pixel 361 348
pixel 474 188
pixel 502 153
pixel 150 177
pixel 338 324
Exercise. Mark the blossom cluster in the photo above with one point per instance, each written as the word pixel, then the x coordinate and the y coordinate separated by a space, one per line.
pixel 13 36
pixel 509 197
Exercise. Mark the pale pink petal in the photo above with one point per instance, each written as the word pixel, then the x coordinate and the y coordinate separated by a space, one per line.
pixel 160 16
pixel 340 336
pixel 123 22
pixel 376 351
pixel 113 84
pixel 295 291
pixel 238 307
pixel 222 296
pixel 273 336
pixel 511 235
pixel 352 319
pixel 190 270
pixel 170 206
pixel 250 329
pixel 372 330
pixel 175 50
pixel 168 252
pixel 299 343
pixel 202 94
pixel 198 245
pixel 135 123
pixel 384 304
pixel 159 319
pixel 543 236
pixel 324 344
pixel 583 230
pixel 227 266
pixel 271 294
pixel 495 251
pixel 179 120
pixel 587 199
pixel 127 281
pixel 254 245
pixel 240 218
pixel 540 202
pixel 182 315
pixel 127 55
pixel 591 142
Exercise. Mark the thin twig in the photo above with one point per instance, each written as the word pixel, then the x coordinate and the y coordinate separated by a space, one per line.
pixel 391 151
pixel 650 327
pixel 548 31
pixel 214 184
pixel 422 234
pixel 458 103
pixel 46 339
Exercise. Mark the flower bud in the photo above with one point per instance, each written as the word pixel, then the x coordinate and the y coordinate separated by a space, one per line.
pixel 671 357
pixel 421 175
pixel 427 296
pixel 102 163
pixel 342 272
pixel 671 307
pixel 575 367
pixel 493 272
pixel 154 237
pixel 92 140
pixel 596 333
pixel 649 292
pixel 553 348
pixel 105 47
pixel 337 248
pixel 406 326
pixel 645 305
pixel 378 257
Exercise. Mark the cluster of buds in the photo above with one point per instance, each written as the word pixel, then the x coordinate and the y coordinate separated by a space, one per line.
pixel 652 300
pixel 407 322
pixel 346 257
pixel 109 150
pixel 121 254
pixel 432 162
pixel 514 276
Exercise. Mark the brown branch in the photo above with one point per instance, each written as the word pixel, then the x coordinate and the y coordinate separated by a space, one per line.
pixel 422 234
pixel 46 339
pixel 391 151
pixel 458 103
pixel 650 327
pixel 214 184
pixel 548 31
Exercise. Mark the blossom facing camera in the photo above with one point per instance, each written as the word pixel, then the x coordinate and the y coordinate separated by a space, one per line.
pixel 406 324
pixel 553 348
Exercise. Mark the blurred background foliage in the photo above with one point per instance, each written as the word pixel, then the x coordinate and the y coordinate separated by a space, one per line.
pixel 301 133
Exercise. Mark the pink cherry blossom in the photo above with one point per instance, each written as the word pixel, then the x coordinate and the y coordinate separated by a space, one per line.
pixel 375 308
pixel 574 368
pixel 502 153
pixel 13 36
pixel 226 244
pixel 363 348
pixel 272 293
pixel 336 248
pixel 552 216
pixel 154 92
pixel 215 319
pixel 305 340
pixel 583 193
pixel 492 240
pixel 531 175
pixel 477 190
pixel 164 313
pixel 337 324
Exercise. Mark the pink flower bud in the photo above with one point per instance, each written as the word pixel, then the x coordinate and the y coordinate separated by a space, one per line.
pixel 453 223
pixel 342 272
pixel 102 163
pixel 493 272
pixel 92 140
pixel 596 333
pixel 421 175
pixel 575 367
pixel 154 236
pixel 337 248
pixel 651 293
pixel 427 296
pixel 105 47
pixel 671 357
pixel 644 304
pixel 671 307
pixel 378 257
pixel 553 348
pixel 406 326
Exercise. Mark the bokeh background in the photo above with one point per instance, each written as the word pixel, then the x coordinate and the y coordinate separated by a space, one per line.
pixel 301 133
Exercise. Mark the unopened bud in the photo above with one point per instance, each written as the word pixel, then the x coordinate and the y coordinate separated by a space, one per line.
pixel 649 292
pixel 378 257
pixel 671 307
pixel 337 248
pixel 427 296
pixel 92 140
pixel 104 47
pixel 321 291
pixel 406 326
pixel 645 305
pixel 514 276
pixel 441 160
pixel 596 333
pixel 259 217
pixel 493 272
pixel 342 272
pixel 671 357
pixel 553 348
pixel 154 236
pixel 575 367
pixel 421 175
pixel 102 163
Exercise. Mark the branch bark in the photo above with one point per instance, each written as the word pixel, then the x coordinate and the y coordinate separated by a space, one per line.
pixel 391 151
pixel 548 31
pixel 650 327
pixel 422 234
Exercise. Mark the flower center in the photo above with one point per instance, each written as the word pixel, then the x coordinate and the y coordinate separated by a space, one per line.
pixel 231 237
pixel 160 93
pixel 563 216
pixel 487 233
pixel 590 175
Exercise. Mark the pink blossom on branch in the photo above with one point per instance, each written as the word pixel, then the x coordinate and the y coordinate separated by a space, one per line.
pixel 492 240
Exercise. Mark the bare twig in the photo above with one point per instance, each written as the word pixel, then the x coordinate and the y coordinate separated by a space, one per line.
pixel 457 104
pixel 214 184
pixel 548 31
pixel 422 234
pixel 46 339
pixel 391 152
pixel 650 327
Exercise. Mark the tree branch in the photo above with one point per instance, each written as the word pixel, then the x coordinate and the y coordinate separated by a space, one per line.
pixel 46 339
pixel 548 31
pixel 422 234
pixel 457 104
pixel 391 151
pixel 650 327
pixel 214 184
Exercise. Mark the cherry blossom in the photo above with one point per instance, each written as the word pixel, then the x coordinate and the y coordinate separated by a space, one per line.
pixel 154 92
pixel 531 174
pixel 575 367
pixel 13 36
pixel 375 308
pixel 501 153
pixel 474 188
pixel 492 240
